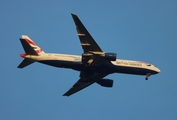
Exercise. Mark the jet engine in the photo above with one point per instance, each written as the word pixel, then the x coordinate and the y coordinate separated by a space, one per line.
pixel 105 82
pixel 110 56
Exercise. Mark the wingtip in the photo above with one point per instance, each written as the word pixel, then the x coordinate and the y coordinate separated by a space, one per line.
pixel 73 14
pixel 65 95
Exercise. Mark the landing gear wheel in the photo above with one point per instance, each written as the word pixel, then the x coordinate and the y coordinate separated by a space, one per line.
pixel 147 75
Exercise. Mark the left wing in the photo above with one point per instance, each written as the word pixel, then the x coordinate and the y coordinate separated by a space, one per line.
pixel 85 80
pixel 87 42
pixel 92 52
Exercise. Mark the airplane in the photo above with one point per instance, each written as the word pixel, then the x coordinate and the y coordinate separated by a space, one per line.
pixel 93 64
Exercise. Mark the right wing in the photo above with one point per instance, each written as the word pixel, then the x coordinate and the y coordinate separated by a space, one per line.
pixel 79 85
pixel 86 79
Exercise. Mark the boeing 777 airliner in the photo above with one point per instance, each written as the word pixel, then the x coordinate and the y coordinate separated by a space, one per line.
pixel 93 64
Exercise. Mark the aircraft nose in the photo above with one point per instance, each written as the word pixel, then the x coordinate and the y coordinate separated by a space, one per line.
pixel 157 70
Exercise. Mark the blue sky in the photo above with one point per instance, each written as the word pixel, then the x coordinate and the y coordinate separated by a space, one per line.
pixel 136 30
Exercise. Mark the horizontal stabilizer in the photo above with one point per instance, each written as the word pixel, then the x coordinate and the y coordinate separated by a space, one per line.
pixel 25 63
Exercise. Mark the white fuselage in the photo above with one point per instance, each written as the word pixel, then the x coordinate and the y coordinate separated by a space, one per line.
pixel 75 62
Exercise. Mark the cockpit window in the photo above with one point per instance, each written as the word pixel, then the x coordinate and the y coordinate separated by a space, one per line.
pixel 148 64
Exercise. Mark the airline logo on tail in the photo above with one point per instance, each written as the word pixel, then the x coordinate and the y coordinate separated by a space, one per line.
pixel 33 45
pixel 30 48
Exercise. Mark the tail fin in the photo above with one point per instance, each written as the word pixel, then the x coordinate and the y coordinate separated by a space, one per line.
pixel 30 48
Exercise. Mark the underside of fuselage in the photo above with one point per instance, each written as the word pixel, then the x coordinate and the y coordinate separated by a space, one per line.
pixel 107 69
pixel 78 66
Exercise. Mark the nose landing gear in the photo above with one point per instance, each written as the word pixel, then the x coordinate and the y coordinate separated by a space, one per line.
pixel 147 76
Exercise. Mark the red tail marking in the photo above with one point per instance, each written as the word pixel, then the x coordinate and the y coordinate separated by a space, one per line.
pixel 30 42
pixel 38 51
pixel 23 55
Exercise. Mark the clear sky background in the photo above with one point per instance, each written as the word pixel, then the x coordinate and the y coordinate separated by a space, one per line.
pixel 144 30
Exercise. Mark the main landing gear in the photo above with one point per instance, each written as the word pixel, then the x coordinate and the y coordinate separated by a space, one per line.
pixel 147 75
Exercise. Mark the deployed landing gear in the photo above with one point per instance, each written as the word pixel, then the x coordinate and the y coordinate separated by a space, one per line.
pixel 147 75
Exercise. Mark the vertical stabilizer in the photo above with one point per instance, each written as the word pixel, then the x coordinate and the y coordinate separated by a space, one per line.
pixel 30 47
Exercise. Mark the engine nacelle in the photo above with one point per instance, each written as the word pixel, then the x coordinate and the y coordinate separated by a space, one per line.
pixel 110 56
pixel 105 82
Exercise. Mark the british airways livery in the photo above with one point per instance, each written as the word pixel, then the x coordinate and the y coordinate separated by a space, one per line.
pixel 93 64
